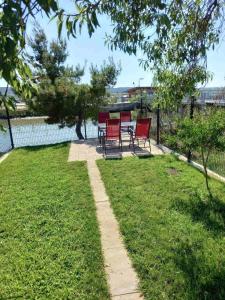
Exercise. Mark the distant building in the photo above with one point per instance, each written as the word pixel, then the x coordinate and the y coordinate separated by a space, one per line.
pixel 210 96
pixel 124 94
pixel 121 93
pixel 148 90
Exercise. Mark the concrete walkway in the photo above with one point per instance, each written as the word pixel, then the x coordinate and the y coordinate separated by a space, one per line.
pixel 121 277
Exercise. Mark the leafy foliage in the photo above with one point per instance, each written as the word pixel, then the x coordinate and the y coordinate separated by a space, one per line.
pixel 8 102
pixel 173 86
pixel 173 36
pixel 204 133
pixel 14 16
pixel 152 25
pixel 205 130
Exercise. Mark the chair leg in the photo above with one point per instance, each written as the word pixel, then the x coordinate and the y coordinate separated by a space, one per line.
pixel 150 148
pixel 133 144
pixel 121 146
pixel 104 144
pixel 130 134
pixel 100 137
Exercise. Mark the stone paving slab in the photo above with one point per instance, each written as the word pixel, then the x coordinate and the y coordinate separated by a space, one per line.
pixel 121 276
pixel 110 225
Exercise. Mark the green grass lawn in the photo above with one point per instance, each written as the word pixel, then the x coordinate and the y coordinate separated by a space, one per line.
pixel 49 238
pixel 174 234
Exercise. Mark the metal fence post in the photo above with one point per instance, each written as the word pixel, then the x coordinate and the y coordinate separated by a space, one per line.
pixel 10 128
pixel 158 125
pixel 8 119
pixel 85 129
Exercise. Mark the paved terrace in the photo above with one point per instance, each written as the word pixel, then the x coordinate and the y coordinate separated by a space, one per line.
pixel 122 279
pixel 91 150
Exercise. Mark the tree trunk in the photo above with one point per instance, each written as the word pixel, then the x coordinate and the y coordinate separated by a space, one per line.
pixel 207 180
pixel 205 162
pixel 78 129
pixel 191 117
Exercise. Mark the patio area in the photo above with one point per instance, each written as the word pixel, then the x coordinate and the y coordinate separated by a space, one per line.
pixel 91 150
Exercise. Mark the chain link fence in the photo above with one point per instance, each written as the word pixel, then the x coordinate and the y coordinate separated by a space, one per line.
pixel 34 131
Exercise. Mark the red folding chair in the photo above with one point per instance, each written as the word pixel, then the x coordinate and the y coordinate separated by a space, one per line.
pixel 125 116
pixel 142 132
pixel 102 117
pixel 112 133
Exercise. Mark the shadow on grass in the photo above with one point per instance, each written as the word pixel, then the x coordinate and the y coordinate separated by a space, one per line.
pixel 144 156
pixel 204 282
pixel 210 212
pixel 42 147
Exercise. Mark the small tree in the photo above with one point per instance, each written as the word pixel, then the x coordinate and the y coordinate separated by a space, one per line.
pixel 204 133
pixel 48 59
pixel 59 94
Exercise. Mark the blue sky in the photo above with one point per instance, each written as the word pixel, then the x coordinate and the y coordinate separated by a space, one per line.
pixel 93 50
